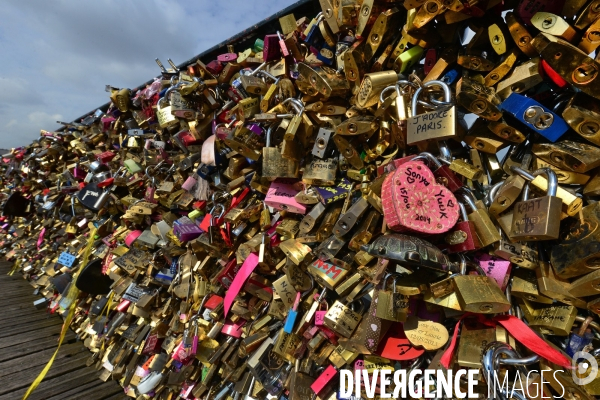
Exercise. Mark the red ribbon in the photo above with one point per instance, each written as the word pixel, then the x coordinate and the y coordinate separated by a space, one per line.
pixel 520 331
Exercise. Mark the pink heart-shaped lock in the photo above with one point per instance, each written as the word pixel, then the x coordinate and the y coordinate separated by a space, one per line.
pixel 412 200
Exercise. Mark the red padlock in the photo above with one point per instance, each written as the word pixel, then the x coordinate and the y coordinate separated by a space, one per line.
pixel 443 174
pixel 105 157
pixel 430 60
pixel 463 236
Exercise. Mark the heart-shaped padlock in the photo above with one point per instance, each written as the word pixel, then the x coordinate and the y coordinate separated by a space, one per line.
pixel 412 200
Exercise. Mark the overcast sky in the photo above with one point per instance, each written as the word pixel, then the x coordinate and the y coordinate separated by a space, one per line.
pixel 57 56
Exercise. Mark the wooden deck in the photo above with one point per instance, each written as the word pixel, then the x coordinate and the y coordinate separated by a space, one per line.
pixel 28 338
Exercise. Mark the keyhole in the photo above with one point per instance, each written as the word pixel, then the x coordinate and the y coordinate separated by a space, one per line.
pixel 523 40
pixel 589 128
pixel 432 7
pixel 505 132
pixel 478 106
pixel 475 63
pixel 497 39
pixel 544 121
pixel 585 73
pixel 594 36
pixel 548 22
pixel 366 11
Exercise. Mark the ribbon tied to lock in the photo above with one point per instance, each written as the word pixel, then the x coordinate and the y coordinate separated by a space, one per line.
pixel 519 330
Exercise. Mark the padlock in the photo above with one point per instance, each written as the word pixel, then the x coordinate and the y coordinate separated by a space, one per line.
pixel 463 237
pixel 538 219
pixel 413 200
pixel 274 165
pixel 342 319
pixel 438 124
pixel 484 227
pixel 391 305
pixel 443 173
pixel 535 116
pixel 165 118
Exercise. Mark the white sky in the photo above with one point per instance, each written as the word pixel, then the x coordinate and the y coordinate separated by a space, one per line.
pixel 57 56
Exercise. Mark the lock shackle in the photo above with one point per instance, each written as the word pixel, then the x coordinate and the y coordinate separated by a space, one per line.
pixel 395 279
pixel 217 206
pixel 463 212
pixel 462 264
pixel 591 324
pixel 73 205
pixel 525 192
pixel 491 360
pixel 492 194
pixel 476 267
pixel 322 295
pixel 160 102
pixel 268 75
pixel 468 197
pixel 296 105
pixel 429 157
pixel 361 305
pixel 258 69
pixel 268 141
pixel 445 88
pixel 312 286
pixel 169 90
pixel 445 153
pixel 551 177
pixel 383 95
pixel 385 281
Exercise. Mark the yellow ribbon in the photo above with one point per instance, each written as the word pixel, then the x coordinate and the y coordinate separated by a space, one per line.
pixel 71 296
pixel 107 307
pixel 63 333
pixel 15 267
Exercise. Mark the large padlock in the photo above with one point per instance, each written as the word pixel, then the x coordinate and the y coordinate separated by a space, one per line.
pixel 163 113
pixel 538 219
pixel 412 200
pixel 273 164
pixel 437 124
pixel 535 116
pixel 392 305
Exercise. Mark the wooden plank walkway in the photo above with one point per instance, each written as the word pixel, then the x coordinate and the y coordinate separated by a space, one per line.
pixel 28 338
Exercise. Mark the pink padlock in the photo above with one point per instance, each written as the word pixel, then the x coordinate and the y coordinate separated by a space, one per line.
pixel 412 200
pixel 281 195
pixel 233 328
pixel 189 183
pixel 131 237
pixel 496 268
pixel 324 379
pixel 320 315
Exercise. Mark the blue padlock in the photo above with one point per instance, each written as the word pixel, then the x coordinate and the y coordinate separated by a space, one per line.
pixel 581 339
pixel 450 77
pixel 292 315
pixel 326 54
pixel 535 116
pixel 315 37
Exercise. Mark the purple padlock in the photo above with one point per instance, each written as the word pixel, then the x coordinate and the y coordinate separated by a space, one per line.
pixel 255 128
pixel 185 229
